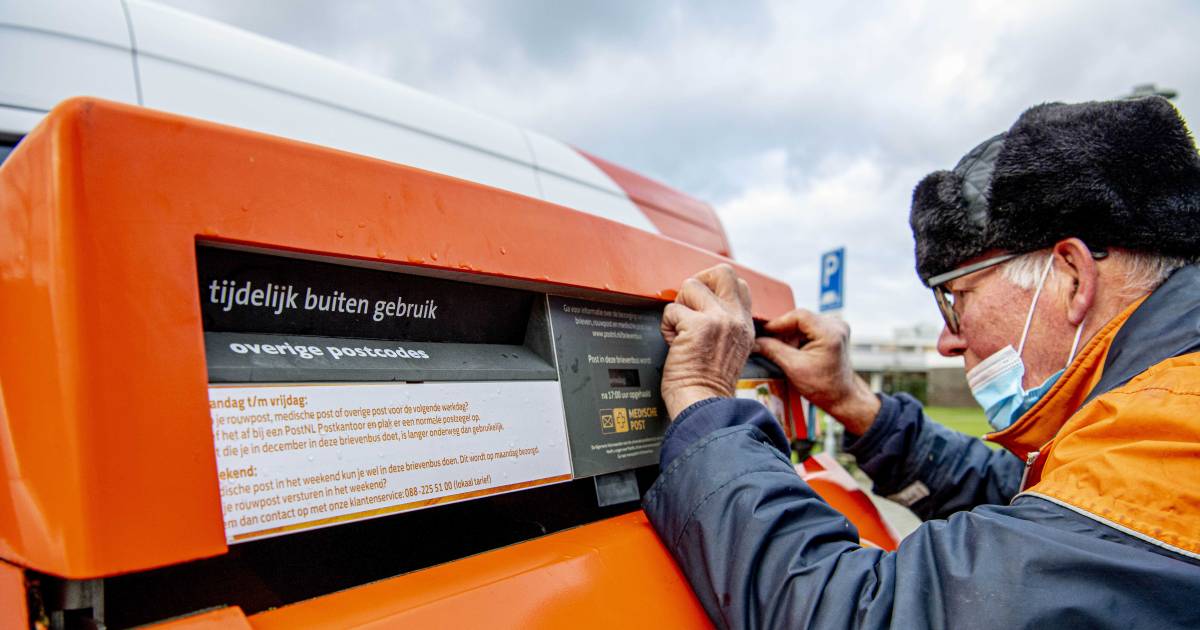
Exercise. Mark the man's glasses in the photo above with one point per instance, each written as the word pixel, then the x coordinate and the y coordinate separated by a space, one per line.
pixel 945 299
pixel 943 296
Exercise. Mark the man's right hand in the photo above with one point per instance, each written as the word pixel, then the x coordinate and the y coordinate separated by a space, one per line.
pixel 814 352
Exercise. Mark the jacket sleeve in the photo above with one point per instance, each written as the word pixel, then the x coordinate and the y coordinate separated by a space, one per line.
pixel 932 470
pixel 762 550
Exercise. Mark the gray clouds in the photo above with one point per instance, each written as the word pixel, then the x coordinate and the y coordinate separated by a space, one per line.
pixel 805 124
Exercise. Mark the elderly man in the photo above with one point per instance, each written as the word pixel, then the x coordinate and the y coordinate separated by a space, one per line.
pixel 1060 256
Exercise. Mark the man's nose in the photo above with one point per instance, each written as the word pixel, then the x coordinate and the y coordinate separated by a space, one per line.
pixel 950 344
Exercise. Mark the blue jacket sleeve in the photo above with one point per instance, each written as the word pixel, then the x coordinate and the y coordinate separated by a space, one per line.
pixel 932 470
pixel 762 550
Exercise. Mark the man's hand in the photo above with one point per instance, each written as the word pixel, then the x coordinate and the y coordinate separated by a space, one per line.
pixel 814 351
pixel 710 333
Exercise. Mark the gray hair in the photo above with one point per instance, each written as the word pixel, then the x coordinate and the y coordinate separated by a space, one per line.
pixel 1143 271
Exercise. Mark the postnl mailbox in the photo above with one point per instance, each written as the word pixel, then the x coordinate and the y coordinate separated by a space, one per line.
pixel 276 384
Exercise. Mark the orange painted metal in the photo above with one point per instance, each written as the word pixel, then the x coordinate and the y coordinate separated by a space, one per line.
pixel 610 574
pixel 14 611
pixel 838 488
pixel 105 434
pixel 602 575
pixel 799 421
pixel 232 618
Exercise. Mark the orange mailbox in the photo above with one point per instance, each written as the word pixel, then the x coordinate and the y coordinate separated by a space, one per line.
pixel 235 369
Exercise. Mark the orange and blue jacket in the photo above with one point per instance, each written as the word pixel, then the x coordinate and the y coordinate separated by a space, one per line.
pixel 1090 517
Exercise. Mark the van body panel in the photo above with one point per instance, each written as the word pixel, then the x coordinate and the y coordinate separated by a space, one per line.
pixel 102 22
pixel 196 92
pixel 602 203
pixel 569 179
pixel 180 37
pixel 177 62
pixel 553 157
pixel 255 83
pixel 54 49
pixel 17 121
pixel 672 212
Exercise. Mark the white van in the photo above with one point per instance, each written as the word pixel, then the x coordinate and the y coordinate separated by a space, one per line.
pixel 139 52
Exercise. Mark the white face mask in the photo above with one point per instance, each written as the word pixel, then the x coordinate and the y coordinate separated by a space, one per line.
pixel 996 381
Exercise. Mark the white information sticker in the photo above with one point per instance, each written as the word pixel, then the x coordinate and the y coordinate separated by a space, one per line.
pixel 294 457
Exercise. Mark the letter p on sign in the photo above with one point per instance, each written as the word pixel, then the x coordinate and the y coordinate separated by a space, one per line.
pixel 833 273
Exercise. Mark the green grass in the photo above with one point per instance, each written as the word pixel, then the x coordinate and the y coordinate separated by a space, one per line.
pixel 969 420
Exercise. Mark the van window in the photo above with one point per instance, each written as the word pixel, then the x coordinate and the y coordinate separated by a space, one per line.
pixel 6 147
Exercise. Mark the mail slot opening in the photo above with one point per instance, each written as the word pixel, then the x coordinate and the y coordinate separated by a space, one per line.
pixel 624 378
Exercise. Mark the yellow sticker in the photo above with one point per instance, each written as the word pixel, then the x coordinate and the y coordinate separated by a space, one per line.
pixel 621 417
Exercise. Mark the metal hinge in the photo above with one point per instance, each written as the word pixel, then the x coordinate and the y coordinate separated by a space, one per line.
pixel 71 604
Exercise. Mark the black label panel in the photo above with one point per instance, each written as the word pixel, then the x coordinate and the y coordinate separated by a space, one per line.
pixel 610 360
pixel 266 358
pixel 251 292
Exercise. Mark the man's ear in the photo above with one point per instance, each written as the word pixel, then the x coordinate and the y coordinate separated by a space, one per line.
pixel 1082 277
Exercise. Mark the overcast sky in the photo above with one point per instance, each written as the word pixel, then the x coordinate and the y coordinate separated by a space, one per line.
pixel 805 124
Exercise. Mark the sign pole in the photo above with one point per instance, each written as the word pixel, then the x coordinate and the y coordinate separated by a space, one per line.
pixel 831 300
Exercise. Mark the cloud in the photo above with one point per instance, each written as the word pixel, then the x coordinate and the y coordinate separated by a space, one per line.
pixel 805 124
pixel 859 201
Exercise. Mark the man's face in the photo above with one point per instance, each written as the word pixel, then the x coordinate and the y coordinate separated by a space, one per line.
pixel 991 314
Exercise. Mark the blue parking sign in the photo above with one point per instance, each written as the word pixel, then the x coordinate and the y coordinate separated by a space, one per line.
pixel 833 275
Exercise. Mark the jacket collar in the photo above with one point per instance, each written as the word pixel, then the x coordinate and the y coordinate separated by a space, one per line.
pixel 1166 325
pixel 1042 422
pixel 1155 328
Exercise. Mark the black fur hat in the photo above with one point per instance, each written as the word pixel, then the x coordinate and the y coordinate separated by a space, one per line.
pixel 1113 173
